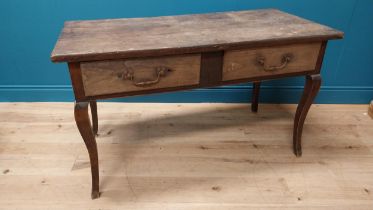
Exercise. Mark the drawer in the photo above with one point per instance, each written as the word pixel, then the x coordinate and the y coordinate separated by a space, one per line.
pixel 241 64
pixel 118 76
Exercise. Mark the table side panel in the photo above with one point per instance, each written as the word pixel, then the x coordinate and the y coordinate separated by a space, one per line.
pixel 76 80
pixel 208 66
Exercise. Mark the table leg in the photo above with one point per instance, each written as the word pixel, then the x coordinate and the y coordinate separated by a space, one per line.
pixel 255 97
pixel 93 105
pixel 85 129
pixel 311 88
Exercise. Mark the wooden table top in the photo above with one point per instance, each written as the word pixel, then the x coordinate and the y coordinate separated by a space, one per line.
pixel 134 37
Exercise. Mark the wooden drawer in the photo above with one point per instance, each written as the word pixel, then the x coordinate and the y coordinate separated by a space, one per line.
pixel 241 64
pixel 107 77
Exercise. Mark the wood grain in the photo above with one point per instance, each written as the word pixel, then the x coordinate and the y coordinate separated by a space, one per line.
pixel 139 37
pixel 104 77
pixel 191 157
pixel 239 64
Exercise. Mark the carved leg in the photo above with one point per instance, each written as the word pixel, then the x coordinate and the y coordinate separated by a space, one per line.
pixel 93 105
pixel 311 88
pixel 255 97
pixel 85 129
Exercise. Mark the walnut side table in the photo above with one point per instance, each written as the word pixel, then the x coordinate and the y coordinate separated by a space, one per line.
pixel 125 57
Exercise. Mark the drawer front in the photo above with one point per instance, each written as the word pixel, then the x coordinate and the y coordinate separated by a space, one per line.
pixel 118 76
pixel 241 64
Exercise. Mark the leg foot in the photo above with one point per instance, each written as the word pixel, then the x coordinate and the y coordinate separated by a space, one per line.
pixel 297 150
pixel 255 97
pixel 95 194
pixel 93 105
pixel 311 88
pixel 85 129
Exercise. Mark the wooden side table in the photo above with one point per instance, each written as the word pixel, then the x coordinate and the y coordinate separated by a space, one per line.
pixel 126 57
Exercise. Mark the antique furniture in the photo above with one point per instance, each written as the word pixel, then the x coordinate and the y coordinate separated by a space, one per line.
pixel 125 57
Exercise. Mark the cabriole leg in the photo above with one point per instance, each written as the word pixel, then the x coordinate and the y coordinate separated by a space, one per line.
pixel 311 88
pixel 85 129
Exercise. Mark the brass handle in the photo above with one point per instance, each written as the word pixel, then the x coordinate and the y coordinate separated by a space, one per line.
pixel 160 71
pixel 286 59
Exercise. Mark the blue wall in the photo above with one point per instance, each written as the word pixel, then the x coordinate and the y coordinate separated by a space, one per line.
pixel 29 29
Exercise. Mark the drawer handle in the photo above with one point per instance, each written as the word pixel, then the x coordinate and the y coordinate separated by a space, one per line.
pixel 286 59
pixel 160 71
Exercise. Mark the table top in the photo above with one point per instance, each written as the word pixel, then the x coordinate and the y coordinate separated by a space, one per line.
pixel 135 37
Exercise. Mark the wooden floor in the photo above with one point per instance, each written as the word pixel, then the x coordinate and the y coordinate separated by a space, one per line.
pixel 186 157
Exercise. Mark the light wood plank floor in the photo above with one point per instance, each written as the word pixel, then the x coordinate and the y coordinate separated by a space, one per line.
pixel 186 157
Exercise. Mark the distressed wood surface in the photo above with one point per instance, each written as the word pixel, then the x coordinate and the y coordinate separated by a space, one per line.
pixel 239 64
pixel 136 37
pixel 186 157
pixel 102 77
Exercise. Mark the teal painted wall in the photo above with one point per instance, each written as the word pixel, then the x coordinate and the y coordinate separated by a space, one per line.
pixel 29 29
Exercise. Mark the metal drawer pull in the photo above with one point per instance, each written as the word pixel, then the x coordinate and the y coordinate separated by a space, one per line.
pixel 160 71
pixel 286 59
